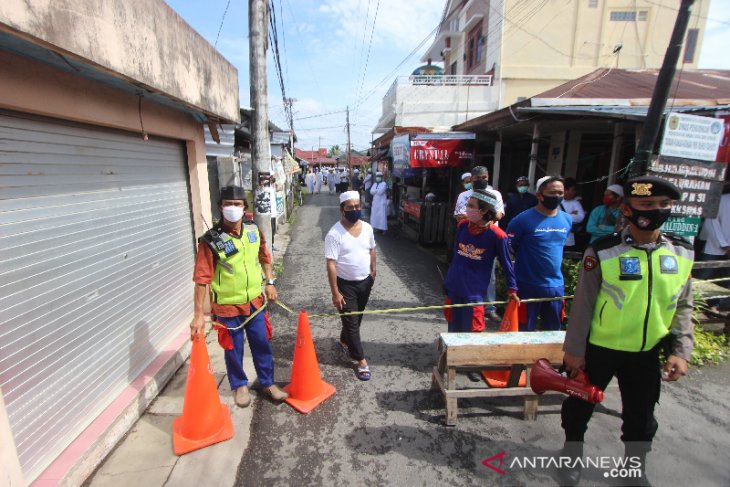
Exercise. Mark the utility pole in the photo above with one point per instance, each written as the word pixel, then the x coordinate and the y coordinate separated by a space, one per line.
pixel 260 149
pixel 655 114
pixel 349 149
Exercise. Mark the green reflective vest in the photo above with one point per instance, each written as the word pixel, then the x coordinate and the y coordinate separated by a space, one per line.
pixel 639 292
pixel 238 277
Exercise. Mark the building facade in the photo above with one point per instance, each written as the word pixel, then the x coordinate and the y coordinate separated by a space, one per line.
pixel 103 192
pixel 530 46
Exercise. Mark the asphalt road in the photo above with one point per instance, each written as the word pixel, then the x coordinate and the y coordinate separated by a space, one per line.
pixel 389 431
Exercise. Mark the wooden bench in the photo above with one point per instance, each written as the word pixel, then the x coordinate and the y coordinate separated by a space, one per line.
pixel 493 351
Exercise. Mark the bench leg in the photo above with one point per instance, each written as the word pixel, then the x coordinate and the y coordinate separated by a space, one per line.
pixel 452 409
pixel 530 408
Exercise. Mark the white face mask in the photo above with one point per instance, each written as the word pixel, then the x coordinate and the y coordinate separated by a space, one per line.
pixel 232 213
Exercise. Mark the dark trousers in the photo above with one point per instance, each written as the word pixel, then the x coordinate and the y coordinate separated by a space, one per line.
pixel 356 294
pixel 639 380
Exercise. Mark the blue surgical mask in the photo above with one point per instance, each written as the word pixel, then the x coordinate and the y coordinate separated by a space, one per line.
pixel 522 189
pixel 467 185
pixel 379 179
pixel 353 216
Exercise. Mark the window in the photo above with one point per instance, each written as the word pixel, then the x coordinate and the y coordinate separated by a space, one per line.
pixel 623 16
pixel 629 16
pixel 690 46
pixel 452 68
pixel 474 47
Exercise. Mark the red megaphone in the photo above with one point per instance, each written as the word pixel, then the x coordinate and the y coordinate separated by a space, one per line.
pixel 544 378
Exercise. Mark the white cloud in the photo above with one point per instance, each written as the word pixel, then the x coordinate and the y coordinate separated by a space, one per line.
pixel 401 22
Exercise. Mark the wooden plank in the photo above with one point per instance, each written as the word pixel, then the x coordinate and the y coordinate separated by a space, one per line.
pixel 496 392
pixel 506 354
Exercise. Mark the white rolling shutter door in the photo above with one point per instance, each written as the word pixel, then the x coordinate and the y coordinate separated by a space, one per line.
pixel 96 259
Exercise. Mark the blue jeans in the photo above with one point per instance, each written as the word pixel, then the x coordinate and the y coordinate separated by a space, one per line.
pixel 550 311
pixel 263 358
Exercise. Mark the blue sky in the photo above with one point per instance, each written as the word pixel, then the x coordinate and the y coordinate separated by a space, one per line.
pixel 332 56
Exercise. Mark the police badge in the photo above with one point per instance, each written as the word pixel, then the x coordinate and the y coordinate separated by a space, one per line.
pixel 630 268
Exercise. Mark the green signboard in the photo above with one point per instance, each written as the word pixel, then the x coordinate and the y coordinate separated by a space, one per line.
pixel 687 226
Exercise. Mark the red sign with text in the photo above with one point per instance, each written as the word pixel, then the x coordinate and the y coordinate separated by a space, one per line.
pixel 441 153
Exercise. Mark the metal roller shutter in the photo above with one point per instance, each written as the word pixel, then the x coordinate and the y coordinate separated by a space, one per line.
pixel 96 258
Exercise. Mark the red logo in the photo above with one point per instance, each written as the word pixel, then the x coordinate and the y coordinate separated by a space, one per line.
pixel 589 263
pixel 488 462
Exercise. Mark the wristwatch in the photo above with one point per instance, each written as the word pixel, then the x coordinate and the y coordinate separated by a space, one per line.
pixel 269 282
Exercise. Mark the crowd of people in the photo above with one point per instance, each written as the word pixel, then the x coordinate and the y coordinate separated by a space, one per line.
pixel 633 298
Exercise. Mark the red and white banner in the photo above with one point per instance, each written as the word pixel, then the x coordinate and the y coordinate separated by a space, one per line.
pixel 442 153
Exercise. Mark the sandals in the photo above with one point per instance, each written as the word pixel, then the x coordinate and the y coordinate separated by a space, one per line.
pixel 363 372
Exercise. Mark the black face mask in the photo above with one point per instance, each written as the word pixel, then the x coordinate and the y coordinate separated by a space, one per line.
pixel 353 216
pixel 551 202
pixel 479 184
pixel 649 219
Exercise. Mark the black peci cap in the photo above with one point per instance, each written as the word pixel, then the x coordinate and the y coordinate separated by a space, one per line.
pixel 645 186
pixel 232 193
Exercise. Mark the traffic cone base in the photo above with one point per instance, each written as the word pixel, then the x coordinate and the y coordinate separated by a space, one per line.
pixel 306 388
pixel 306 405
pixel 500 378
pixel 182 445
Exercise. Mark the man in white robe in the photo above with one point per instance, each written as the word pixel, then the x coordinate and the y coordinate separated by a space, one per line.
pixel 379 209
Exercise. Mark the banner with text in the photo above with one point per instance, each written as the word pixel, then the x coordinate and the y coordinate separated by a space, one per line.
pixel 692 137
pixel 442 150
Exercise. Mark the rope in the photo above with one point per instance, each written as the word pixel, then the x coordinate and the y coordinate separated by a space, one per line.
pixel 418 308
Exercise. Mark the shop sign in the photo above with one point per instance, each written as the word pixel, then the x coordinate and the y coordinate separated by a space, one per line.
pixel 430 152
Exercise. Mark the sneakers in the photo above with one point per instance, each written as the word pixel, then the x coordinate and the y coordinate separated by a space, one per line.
pixel 242 397
pixel 492 315
pixel 275 393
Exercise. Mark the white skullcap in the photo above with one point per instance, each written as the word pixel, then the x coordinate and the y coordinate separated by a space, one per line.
pixel 543 179
pixel 465 175
pixel 379 173
pixel 616 188
pixel 349 195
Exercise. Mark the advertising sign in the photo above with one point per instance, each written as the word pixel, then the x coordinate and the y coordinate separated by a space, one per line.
pixel 692 137
pixel 442 150
pixel 400 151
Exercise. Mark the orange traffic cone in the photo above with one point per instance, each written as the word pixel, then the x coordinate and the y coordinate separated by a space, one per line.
pixel 204 419
pixel 306 389
pixel 510 323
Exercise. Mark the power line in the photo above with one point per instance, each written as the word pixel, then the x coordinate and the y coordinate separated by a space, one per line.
pixel 320 115
pixel 367 59
pixel 221 26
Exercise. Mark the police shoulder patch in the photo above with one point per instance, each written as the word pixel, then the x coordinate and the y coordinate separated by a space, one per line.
pixel 590 263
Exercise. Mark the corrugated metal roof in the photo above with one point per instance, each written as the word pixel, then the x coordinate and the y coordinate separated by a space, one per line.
pixel 705 84
pixel 227 138
pixel 624 112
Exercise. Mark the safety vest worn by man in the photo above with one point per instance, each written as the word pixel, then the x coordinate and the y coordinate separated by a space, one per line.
pixel 639 292
pixel 238 274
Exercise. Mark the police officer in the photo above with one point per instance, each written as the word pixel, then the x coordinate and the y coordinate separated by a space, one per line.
pixel 634 296
pixel 232 259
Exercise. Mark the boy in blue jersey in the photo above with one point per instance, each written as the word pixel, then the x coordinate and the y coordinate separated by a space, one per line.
pixel 537 237
pixel 478 242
